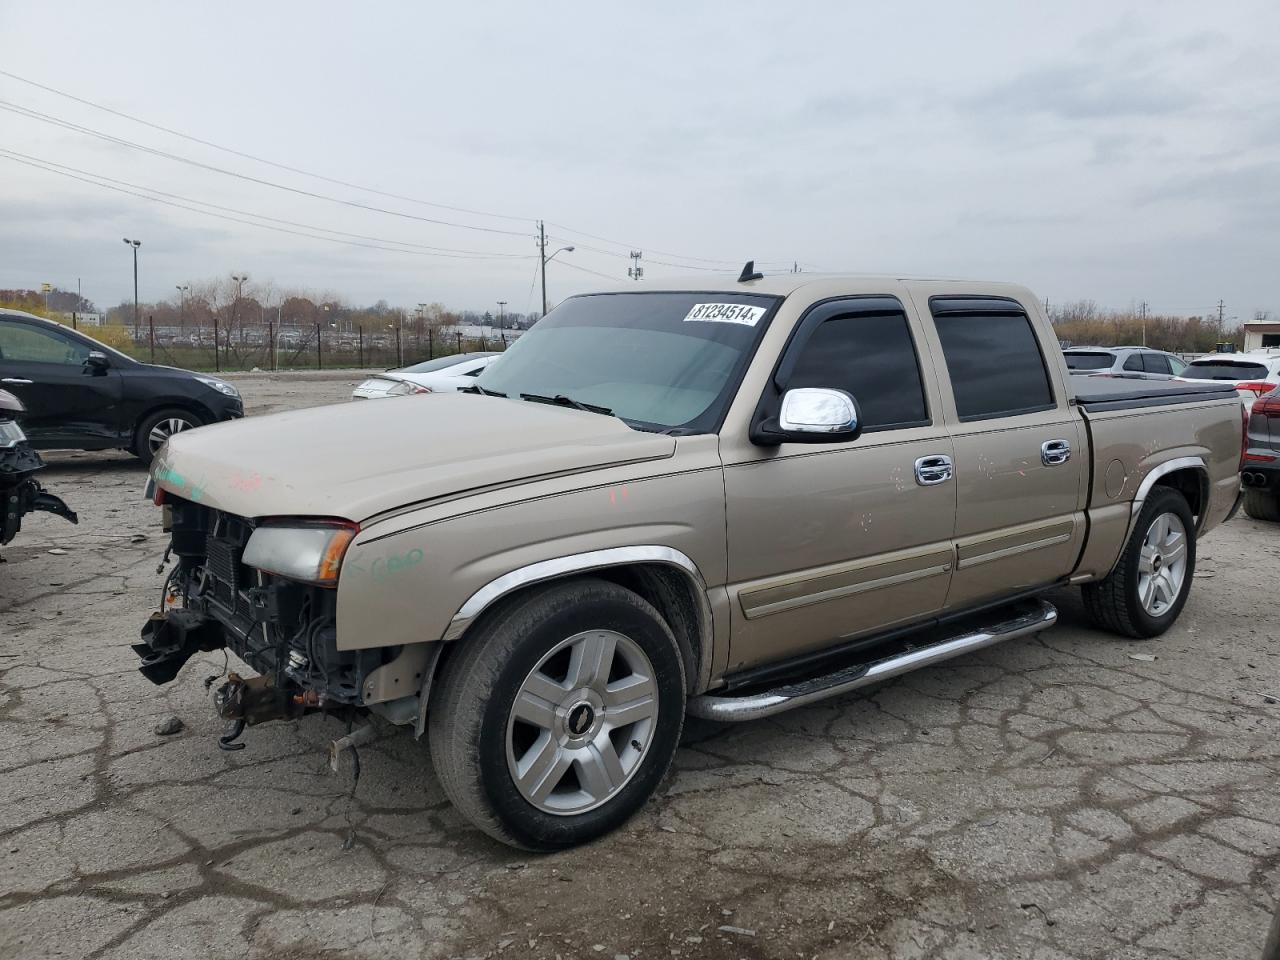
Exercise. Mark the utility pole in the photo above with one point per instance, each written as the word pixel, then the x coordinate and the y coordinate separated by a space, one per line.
pixel 1221 305
pixel 501 314
pixel 636 272
pixel 1142 310
pixel 542 256
pixel 544 260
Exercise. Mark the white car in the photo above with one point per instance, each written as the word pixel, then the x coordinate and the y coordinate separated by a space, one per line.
pixel 441 375
pixel 1254 373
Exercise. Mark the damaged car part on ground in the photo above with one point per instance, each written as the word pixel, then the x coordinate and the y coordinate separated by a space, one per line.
pixel 20 492
pixel 724 499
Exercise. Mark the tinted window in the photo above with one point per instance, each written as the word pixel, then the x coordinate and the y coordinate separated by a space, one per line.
pixel 994 363
pixel 1156 363
pixel 1134 362
pixel 1225 370
pixel 20 341
pixel 1089 361
pixel 874 359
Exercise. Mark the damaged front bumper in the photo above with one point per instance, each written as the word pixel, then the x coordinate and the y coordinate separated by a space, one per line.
pixel 21 493
pixel 283 629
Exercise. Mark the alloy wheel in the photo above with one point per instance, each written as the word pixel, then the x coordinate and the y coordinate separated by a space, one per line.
pixel 163 430
pixel 1162 564
pixel 582 722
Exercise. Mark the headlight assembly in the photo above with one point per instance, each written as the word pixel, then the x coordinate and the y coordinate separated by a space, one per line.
pixel 306 550
pixel 220 385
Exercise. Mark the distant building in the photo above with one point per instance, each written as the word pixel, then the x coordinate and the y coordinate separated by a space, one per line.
pixel 1259 334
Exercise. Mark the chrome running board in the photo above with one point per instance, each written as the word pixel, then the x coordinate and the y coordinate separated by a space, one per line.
pixel 766 703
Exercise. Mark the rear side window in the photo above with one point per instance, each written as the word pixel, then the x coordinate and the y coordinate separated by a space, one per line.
pixel 1233 370
pixel 874 359
pixel 993 358
pixel 1089 361
pixel 1134 362
pixel 1156 363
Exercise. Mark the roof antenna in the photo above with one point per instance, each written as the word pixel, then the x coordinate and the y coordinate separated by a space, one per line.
pixel 749 273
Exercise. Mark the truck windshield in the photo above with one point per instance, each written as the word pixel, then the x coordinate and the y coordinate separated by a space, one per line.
pixel 660 361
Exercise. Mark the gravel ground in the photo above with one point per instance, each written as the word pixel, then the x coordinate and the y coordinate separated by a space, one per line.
pixel 1050 798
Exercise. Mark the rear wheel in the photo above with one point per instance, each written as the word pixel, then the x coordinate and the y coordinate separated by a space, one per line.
pixel 559 715
pixel 1262 505
pixel 157 428
pixel 1146 591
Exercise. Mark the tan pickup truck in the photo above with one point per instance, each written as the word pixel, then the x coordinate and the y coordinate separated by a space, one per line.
pixel 720 498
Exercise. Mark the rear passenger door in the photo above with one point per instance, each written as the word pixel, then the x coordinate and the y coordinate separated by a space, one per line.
pixel 1021 456
pixel 827 542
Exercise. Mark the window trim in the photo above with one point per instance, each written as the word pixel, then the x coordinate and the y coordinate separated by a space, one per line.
pixel 814 316
pixel 960 304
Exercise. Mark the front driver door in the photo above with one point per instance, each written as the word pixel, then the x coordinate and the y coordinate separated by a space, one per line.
pixel 69 403
pixel 831 542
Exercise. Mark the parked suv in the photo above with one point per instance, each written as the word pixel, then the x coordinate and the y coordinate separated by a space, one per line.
pixel 1261 476
pixel 1253 373
pixel 82 395
pixel 1133 362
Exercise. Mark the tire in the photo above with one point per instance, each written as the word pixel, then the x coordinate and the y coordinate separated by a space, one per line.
pixel 145 446
pixel 1262 505
pixel 602 762
pixel 1116 603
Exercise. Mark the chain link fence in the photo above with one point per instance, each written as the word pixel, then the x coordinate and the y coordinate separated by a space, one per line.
pixel 302 348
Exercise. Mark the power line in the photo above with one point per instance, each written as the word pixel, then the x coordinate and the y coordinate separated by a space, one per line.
pixel 78 128
pixel 470 254
pixel 308 173
pixel 220 216
pixel 256 159
pixel 442 251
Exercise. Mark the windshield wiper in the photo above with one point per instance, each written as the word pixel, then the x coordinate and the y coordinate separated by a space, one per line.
pixel 561 400
pixel 476 388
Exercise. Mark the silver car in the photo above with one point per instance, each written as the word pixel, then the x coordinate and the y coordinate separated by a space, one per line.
pixel 1133 362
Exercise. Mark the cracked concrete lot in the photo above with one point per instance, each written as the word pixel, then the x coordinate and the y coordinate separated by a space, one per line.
pixel 1051 798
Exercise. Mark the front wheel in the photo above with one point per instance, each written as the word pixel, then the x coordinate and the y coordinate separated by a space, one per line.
pixel 1146 591
pixel 559 715
pixel 155 430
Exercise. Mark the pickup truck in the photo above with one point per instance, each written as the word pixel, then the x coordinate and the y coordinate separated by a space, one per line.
pixel 723 499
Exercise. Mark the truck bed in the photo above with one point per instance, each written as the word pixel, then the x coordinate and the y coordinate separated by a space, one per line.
pixel 1119 393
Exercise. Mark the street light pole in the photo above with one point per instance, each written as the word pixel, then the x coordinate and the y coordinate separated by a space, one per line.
pixel 542 254
pixel 137 320
pixel 501 314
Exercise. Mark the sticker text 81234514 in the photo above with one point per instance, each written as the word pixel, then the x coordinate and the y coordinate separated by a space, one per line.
pixel 742 313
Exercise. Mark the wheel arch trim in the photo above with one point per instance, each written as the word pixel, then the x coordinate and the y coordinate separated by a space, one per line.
pixel 557 568
pixel 1157 473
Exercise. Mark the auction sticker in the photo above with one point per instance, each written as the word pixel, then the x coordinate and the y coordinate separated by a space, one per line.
pixel 741 313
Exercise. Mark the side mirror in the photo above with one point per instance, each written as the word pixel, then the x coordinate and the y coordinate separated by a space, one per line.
pixel 811 415
pixel 97 362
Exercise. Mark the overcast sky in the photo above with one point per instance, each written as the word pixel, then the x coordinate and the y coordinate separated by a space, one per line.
pixel 1104 150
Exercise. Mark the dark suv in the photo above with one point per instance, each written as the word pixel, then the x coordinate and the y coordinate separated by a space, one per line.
pixel 1261 472
pixel 83 395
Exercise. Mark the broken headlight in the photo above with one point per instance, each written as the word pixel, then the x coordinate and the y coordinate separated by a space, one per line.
pixel 306 550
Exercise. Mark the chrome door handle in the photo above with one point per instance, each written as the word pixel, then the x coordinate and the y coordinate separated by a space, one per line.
pixel 15 380
pixel 931 470
pixel 1054 452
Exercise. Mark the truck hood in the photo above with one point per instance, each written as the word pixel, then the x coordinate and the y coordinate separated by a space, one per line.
pixel 356 460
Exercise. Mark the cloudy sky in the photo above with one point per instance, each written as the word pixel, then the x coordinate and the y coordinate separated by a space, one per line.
pixel 1104 150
